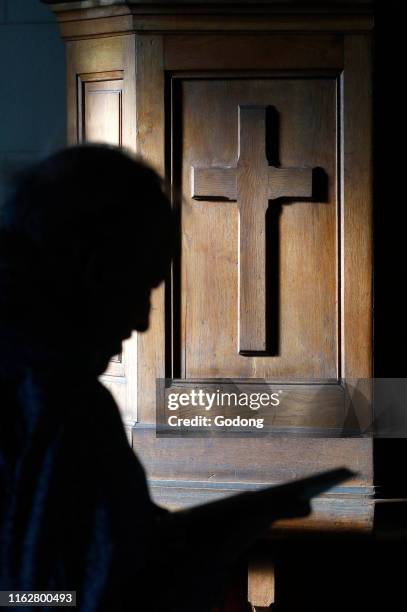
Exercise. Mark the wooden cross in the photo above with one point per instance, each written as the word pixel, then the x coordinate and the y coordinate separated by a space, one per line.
pixel 252 183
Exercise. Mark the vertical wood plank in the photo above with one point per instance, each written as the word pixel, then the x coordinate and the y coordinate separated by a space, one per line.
pixel 252 194
pixel 356 240
pixel 356 209
pixel 150 144
pixel 261 582
pixel 129 143
pixel 129 93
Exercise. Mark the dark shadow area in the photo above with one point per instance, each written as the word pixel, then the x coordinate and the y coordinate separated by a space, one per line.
pixel 173 165
pixel 273 216
pixel 320 191
pixel 390 254
pixel 319 176
pixel 273 136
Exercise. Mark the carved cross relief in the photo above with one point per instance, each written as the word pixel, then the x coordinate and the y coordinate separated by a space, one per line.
pixel 252 183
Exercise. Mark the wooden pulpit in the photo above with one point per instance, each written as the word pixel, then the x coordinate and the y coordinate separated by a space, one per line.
pixel 259 116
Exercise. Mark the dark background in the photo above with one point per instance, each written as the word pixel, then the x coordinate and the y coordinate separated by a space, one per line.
pixel 390 203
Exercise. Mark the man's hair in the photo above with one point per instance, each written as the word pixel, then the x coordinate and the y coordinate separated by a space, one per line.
pixel 78 200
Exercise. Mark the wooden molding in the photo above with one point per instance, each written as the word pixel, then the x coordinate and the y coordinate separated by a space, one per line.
pixel 94 18
pixel 329 6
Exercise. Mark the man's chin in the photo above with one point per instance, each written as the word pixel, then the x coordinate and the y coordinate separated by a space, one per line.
pixel 103 356
pixel 142 327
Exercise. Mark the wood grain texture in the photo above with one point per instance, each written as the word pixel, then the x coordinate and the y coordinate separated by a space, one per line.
pixel 188 471
pixel 213 183
pixel 261 581
pixel 356 210
pixel 151 145
pixel 252 184
pixel 303 275
pixel 94 19
pixel 92 59
pixel 216 63
pixel 289 183
pixel 252 193
pixel 102 111
pixel 210 464
pixel 312 409
pixel 255 186
pixel 253 52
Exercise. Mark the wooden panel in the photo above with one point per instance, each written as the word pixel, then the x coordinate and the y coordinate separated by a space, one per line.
pixel 214 462
pixel 100 60
pixel 253 52
pixel 302 235
pixel 214 183
pixel 356 210
pixel 151 145
pixel 101 111
pixel 184 472
pixel 303 409
pixel 101 108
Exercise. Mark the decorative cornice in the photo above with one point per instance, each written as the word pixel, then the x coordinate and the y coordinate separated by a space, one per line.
pixel 216 5
pixel 98 18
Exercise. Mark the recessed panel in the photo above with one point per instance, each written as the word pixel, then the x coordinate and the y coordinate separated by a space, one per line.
pixel 101 111
pixel 300 223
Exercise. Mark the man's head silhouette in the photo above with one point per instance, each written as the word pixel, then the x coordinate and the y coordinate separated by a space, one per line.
pixel 84 237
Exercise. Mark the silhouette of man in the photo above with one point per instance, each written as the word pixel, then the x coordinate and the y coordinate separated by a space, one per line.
pixel 84 237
